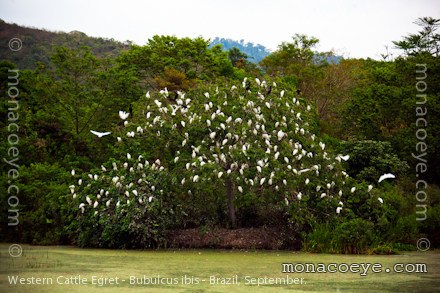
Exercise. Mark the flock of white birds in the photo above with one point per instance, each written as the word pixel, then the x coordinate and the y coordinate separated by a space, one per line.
pixel 259 139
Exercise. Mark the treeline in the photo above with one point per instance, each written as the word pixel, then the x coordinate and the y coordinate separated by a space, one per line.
pixel 366 109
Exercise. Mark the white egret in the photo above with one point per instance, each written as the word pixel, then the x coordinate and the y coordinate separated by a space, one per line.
pixel 386 176
pixel 99 134
pixel 123 115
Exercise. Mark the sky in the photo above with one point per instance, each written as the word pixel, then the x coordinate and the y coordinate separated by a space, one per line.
pixel 351 28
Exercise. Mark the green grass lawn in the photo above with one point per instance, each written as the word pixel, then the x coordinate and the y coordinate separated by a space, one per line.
pixel 66 263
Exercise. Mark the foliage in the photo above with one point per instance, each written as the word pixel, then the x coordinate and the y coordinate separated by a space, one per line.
pixel 113 212
pixel 425 41
pixel 370 159
pixel 43 209
pixel 191 58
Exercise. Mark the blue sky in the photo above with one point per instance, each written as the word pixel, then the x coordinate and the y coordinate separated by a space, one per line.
pixel 349 27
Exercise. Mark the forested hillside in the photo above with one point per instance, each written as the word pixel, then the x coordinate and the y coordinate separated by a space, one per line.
pixel 39 44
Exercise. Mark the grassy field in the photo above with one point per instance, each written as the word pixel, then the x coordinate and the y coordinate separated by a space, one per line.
pixel 69 264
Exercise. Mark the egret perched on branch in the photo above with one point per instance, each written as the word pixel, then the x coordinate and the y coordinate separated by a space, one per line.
pixel 99 134
pixel 123 115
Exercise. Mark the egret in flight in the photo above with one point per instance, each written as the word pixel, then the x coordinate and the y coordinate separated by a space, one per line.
pixel 386 176
pixel 99 134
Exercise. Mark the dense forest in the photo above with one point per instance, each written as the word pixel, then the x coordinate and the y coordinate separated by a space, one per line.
pixel 126 146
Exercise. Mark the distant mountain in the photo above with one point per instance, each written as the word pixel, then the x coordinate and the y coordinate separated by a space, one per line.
pixel 255 52
pixel 38 44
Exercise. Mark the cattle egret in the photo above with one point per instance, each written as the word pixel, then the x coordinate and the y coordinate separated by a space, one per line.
pixel 299 196
pixel 380 200
pixel 99 134
pixel 370 187
pixel 240 189
pixel 353 189
pixel 386 176
pixel 123 115
pixel 280 134
pixel 338 210
pixel 345 158
pixel 72 172
pixel 262 180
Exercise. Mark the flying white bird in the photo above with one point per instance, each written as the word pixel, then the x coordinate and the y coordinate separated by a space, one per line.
pixel 386 176
pixel 99 134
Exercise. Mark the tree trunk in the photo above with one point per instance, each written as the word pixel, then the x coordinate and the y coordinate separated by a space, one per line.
pixel 231 207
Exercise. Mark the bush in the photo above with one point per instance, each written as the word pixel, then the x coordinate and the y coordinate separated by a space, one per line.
pixel 354 236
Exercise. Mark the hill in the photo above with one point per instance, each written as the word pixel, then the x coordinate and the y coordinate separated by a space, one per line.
pixel 255 52
pixel 37 44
